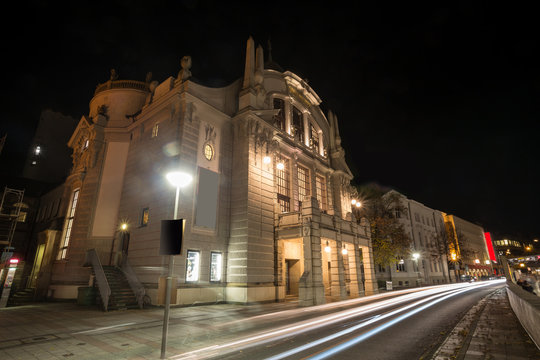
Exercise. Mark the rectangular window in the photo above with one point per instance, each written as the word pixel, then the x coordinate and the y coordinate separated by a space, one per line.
pixel 298 125
pixel 283 185
pixel 304 184
pixel 22 216
pixel 68 225
pixel 321 192
pixel 279 118
pixel 397 213
pixel 216 262
pixel 400 265
pixel 314 141
pixel 192 266
pixel 145 215
pixel 155 130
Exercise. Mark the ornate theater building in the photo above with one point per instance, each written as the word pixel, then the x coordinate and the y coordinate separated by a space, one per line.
pixel 268 208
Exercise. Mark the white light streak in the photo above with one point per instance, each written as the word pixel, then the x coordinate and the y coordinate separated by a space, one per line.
pixel 321 321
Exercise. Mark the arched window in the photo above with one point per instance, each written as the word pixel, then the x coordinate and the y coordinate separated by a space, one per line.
pixel 279 118
pixel 297 125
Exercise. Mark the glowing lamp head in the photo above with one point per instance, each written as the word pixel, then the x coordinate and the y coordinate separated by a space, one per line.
pixel 327 248
pixel 477 261
pixel 178 178
pixel 13 261
pixel 123 227
pixel 454 256
pixel 522 265
pixel 358 204
pixel 487 262
pixel 280 166
pixel 344 251
pixel 353 201
pixel 266 159
pixel 415 256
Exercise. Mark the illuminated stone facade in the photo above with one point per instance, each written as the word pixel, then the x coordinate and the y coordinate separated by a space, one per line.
pixel 472 257
pixel 424 226
pixel 270 190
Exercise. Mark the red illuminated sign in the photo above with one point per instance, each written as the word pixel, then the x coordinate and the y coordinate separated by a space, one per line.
pixel 490 247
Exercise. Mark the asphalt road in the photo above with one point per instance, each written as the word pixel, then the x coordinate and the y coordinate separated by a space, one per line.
pixel 411 326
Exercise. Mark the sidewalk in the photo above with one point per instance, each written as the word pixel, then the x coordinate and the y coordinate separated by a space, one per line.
pixel 490 330
pixel 68 331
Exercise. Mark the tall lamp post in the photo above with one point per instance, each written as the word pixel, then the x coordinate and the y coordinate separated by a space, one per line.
pixel 415 257
pixel 177 179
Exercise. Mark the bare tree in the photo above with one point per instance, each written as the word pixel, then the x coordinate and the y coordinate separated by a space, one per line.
pixel 389 237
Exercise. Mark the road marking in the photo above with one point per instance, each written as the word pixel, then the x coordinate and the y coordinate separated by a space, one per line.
pixel 103 328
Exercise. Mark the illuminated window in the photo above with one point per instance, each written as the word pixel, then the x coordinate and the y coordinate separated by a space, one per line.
pixel 400 265
pixel 22 216
pixel 85 144
pixel 297 125
pixel 283 186
pixel 192 266
pixel 145 216
pixel 304 184
pixel 314 140
pixel 155 130
pixel 68 225
pixel 279 118
pixel 208 151
pixel 216 262
pixel 321 192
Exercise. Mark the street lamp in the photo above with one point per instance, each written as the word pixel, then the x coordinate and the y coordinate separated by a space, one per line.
pixel 415 257
pixel 327 248
pixel 178 179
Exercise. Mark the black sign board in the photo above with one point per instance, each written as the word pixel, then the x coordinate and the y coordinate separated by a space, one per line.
pixel 172 233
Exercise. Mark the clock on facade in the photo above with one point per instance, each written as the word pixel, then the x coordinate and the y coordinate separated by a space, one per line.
pixel 208 151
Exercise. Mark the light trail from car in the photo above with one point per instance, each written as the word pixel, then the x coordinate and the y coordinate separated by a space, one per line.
pixel 325 320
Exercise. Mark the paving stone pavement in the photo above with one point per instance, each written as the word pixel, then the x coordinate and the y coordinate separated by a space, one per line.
pixel 490 330
pixel 50 331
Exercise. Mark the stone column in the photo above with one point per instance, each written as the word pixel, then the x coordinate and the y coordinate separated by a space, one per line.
pixel 311 287
pixel 369 271
pixel 352 256
pixel 359 272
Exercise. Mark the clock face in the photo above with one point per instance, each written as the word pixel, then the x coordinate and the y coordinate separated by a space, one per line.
pixel 208 151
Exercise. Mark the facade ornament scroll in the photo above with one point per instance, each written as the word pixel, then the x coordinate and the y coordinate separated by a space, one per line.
pixel 262 136
pixel 306 226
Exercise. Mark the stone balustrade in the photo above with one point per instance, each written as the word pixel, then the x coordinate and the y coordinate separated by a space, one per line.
pixel 122 84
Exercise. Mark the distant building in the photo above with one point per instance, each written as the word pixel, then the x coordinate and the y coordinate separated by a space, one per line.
pixel 426 263
pixel 49 157
pixel 268 210
pixel 468 249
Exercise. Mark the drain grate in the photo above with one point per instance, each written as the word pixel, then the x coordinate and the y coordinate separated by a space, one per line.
pixel 35 339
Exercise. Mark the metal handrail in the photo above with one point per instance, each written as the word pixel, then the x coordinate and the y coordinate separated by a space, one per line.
pixel 134 283
pixel 92 258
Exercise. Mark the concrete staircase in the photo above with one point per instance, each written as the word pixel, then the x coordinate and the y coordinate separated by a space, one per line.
pixel 122 296
pixel 22 297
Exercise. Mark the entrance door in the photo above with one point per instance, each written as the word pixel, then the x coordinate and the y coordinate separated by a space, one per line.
pixel 287 277
pixel 37 266
pixel 292 276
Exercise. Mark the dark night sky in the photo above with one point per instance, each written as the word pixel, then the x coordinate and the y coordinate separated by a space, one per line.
pixel 437 102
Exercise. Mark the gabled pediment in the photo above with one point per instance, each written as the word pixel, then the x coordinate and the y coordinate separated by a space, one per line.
pixel 81 132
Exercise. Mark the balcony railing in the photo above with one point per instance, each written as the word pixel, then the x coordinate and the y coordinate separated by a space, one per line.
pixel 122 84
